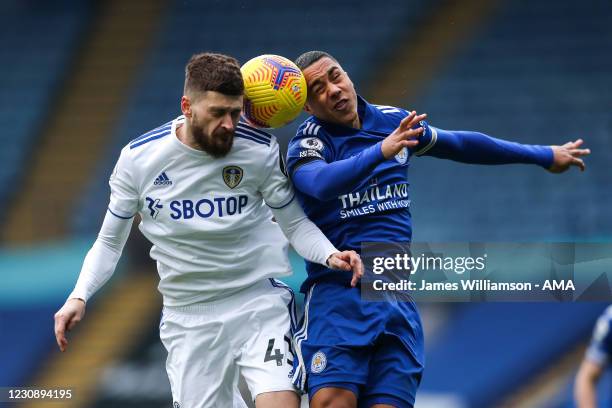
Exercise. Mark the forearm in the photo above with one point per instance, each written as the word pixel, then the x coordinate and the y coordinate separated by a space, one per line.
pixel 585 387
pixel 304 236
pixel 478 148
pixel 326 181
pixel 102 258
pixel 585 392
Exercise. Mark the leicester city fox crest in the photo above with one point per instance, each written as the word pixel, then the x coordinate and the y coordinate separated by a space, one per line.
pixel 318 363
pixel 402 156
pixel 232 176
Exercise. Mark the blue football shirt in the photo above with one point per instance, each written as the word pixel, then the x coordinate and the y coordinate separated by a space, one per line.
pixel 377 209
pixel 600 349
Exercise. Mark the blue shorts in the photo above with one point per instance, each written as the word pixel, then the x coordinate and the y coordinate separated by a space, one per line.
pixel 374 349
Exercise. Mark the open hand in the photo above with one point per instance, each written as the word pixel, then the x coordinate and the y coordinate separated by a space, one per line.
pixel 404 136
pixel 568 155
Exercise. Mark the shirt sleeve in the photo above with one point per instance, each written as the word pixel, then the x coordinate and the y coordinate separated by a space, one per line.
pixel 479 148
pixel 304 236
pixel 307 146
pixel 102 258
pixel 600 348
pixel 326 181
pixel 276 187
pixel 124 194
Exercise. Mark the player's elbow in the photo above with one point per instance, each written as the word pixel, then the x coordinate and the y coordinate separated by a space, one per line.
pixel 316 186
pixel 324 194
pixel 318 193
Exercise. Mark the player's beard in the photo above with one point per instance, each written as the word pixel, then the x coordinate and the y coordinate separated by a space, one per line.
pixel 217 145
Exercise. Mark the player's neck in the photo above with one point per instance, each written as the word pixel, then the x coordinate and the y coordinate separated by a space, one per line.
pixel 184 135
pixel 354 123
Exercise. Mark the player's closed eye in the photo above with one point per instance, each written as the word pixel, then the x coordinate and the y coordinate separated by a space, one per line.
pixel 219 113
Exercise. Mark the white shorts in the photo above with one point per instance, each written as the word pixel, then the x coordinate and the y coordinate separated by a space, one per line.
pixel 209 343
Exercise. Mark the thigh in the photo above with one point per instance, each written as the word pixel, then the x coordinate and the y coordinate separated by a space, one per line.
pixel 266 357
pixel 340 395
pixel 397 362
pixel 333 343
pixel 200 363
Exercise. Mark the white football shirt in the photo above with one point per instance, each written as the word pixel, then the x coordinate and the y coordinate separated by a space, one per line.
pixel 211 231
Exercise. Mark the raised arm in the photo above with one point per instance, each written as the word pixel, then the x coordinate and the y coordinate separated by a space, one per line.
pixel 326 181
pixel 479 148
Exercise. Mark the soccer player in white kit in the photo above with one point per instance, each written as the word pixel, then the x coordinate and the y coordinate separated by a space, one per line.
pixel 206 187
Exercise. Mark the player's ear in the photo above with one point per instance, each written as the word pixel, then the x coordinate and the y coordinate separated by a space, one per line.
pixel 186 106
pixel 307 108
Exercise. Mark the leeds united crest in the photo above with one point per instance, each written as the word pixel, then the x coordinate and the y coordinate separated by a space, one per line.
pixel 232 176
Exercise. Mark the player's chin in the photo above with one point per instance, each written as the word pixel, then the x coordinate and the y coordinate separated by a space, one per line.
pixel 221 147
pixel 346 118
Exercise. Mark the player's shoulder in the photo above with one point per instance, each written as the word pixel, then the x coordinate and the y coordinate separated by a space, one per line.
pixel 248 136
pixel 602 328
pixel 309 133
pixel 390 112
pixel 607 314
pixel 310 128
pixel 151 138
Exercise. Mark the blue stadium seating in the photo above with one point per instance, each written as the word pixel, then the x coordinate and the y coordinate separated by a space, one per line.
pixel 37 42
pixel 536 73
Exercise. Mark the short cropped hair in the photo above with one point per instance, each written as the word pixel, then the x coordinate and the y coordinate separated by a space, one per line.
pixel 213 72
pixel 308 58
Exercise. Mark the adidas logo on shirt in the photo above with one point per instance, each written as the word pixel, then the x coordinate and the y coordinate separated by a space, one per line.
pixel 162 180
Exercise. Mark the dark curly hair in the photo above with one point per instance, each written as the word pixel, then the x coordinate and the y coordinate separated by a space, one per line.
pixel 213 72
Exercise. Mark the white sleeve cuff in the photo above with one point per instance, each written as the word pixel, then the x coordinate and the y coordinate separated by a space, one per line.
pixel 432 142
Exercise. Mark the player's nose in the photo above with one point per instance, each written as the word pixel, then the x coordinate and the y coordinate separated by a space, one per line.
pixel 227 123
pixel 334 91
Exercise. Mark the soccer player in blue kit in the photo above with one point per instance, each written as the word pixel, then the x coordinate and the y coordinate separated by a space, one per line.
pixel 348 163
pixel 595 362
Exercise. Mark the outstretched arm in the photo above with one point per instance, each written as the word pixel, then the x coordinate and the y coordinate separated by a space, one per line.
pixel 479 148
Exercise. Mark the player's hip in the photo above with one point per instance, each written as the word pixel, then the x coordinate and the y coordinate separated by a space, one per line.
pixel 337 314
pixel 217 286
pixel 341 335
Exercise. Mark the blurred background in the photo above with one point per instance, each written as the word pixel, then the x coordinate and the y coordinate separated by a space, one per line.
pixel 80 78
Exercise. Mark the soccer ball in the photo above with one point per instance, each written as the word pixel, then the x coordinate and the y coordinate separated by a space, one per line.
pixel 274 91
